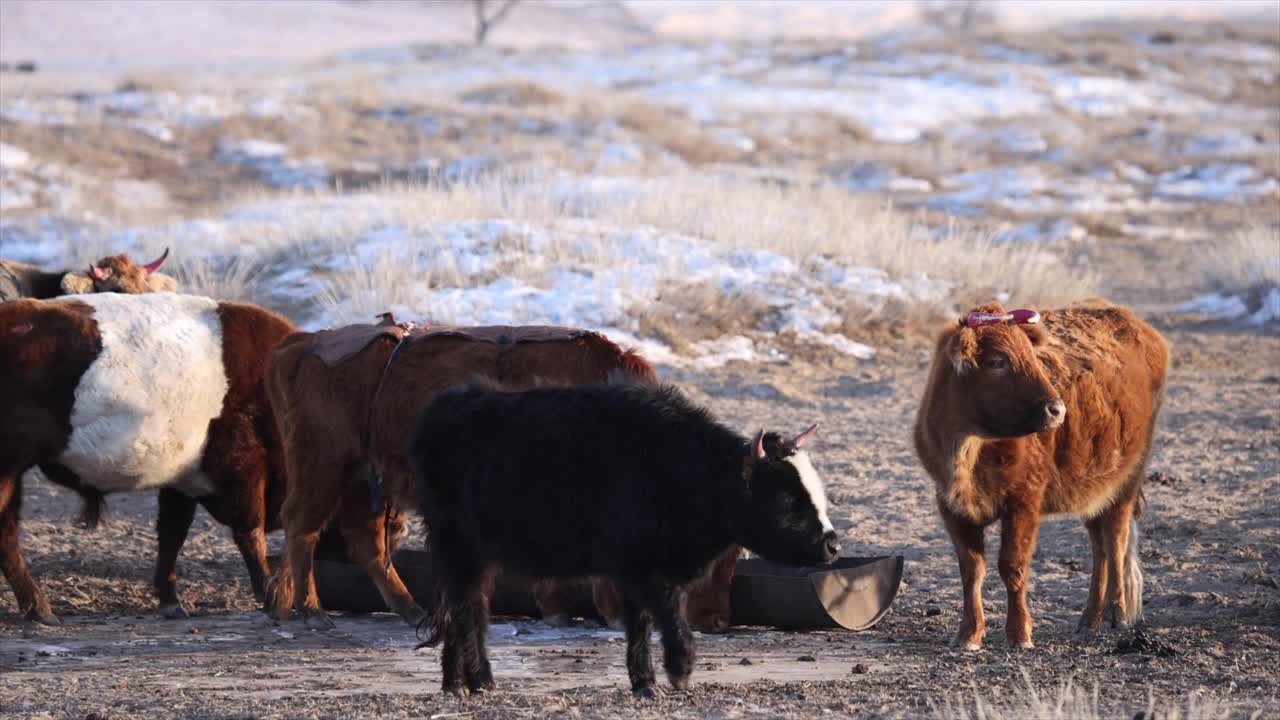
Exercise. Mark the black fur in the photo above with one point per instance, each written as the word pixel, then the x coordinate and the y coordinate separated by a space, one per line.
pixel 629 481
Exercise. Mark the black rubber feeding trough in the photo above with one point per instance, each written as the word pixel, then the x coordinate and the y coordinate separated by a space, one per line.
pixel 851 593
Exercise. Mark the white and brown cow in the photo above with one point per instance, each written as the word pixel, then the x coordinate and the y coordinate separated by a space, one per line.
pixel 135 392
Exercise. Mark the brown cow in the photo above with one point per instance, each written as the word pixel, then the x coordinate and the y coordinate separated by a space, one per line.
pixel 1027 415
pixel 134 392
pixel 346 421
pixel 114 273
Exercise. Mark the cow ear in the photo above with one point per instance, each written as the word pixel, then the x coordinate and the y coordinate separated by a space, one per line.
pixel 1036 334
pixel 962 350
pixel 799 440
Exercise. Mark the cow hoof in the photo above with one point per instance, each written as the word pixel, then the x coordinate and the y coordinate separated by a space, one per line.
pixel 1086 626
pixel 967 645
pixel 647 692
pixel 557 619
pixel 616 625
pixel 174 611
pixel 44 617
pixel 318 621
pixel 458 692
pixel 680 684
pixel 1021 645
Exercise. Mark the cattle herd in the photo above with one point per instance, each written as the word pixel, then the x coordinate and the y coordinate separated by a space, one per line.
pixel 547 452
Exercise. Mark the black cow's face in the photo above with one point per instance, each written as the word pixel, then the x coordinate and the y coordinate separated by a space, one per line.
pixel 788 520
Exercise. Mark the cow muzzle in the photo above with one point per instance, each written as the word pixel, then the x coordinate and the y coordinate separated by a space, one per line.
pixel 1055 412
pixel 830 547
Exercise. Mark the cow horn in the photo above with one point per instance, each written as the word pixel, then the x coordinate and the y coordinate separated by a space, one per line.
pixel 757 447
pixel 1029 317
pixel 154 265
pixel 978 319
pixel 97 273
pixel 803 437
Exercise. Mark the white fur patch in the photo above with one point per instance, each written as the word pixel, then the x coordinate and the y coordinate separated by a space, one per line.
pixel 813 484
pixel 142 409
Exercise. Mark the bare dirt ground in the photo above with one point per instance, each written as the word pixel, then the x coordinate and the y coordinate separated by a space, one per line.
pixel 1211 551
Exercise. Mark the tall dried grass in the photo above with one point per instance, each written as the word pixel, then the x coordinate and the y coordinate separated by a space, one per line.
pixel 1069 701
pixel 1248 263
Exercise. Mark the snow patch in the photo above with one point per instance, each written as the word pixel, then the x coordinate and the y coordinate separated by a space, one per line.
pixel 1234 307
pixel 1216 181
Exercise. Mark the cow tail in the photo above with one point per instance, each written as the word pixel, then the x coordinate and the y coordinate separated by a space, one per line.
pixel 438 622
pixel 1133 576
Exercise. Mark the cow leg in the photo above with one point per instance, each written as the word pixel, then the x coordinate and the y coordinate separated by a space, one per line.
pixel 1123 599
pixel 303 516
pixel 364 532
pixel 547 595
pixel 668 607
pixel 1092 615
pixel 93 499
pixel 635 614
pixel 31 600
pixel 173 522
pixel 238 466
pixel 252 544
pixel 971 554
pixel 604 595
pixel 1018 529
pixel 479 674
pixel 463 611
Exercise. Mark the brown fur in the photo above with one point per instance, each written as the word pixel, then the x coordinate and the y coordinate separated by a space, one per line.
pixel 974 434
pixel 325 415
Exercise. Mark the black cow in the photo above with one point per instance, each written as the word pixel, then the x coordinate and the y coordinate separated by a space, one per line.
pixel 628 481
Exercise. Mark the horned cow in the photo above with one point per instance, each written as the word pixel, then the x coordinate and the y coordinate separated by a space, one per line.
pixel 344 428
pixel 122 392
pixel 1026 415
pixel 114 273
pixel 629 481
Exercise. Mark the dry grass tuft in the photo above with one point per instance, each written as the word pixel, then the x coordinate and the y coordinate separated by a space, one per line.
pixel 671 128
pixel 516 93
pixel 1067 701
pixel 1247 264
pixel 236 279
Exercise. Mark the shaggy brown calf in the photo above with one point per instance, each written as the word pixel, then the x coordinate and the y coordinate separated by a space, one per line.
pixel 345 411
pixel 1026 416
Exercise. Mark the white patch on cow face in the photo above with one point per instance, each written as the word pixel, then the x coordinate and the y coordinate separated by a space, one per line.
pixel 142 409
pixel 813 485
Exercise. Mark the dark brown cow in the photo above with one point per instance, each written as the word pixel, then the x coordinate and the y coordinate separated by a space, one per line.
pixel 114 273
pixel 1027 415
pixel 129 392
pixel 344 424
